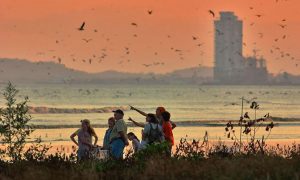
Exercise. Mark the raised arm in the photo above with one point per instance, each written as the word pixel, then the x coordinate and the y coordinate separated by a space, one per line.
pixel 139 111
pixel 136 123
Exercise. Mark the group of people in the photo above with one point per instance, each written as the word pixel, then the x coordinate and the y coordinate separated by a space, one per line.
pixel 157 128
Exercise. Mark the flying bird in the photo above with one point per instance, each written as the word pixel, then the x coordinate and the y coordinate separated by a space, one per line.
pixel 87 40
pixel 282 26
pixel 150 12
pixel 194 38
pixel 212 13
pixel 82 27
pixel 147 65
pixel 134 24
pixel 258 15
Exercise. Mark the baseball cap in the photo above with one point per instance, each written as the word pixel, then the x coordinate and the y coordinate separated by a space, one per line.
pixel 119 111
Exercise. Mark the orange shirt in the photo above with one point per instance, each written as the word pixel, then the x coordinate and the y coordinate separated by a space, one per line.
pixel 167 129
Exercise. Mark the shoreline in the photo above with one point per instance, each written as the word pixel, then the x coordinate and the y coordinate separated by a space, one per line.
pixel 197 123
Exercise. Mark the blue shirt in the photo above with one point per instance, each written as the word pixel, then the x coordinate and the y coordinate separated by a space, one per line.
pixel 106 139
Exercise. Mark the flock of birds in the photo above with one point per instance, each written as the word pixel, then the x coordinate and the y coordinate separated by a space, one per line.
pixel 275 49
pixel 125 58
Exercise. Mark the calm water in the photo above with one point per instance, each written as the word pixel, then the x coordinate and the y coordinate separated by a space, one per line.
pixel 185 102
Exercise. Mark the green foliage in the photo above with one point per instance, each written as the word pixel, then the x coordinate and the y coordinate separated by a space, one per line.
pixel 14 128
pixel 152 150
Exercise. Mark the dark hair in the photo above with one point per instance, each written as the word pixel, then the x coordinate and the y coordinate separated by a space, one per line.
pixel 166 116
pixel 153 118
pixel 112 119
pixel 132 134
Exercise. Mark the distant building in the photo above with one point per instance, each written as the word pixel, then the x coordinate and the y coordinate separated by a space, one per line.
pixel 231 67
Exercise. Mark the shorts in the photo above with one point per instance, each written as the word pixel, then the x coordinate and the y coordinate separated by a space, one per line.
pixel 116 148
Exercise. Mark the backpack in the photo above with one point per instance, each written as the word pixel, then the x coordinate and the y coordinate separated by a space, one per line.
pixel 154 134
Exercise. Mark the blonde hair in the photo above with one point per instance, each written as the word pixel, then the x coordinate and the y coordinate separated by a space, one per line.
pixel 91 130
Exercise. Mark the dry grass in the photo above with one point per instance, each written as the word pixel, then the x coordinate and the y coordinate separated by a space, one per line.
pixel 192 160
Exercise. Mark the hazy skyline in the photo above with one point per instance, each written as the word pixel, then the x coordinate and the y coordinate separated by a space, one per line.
pixel 39 30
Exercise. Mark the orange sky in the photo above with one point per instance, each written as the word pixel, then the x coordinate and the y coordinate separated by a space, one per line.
pixel 29 30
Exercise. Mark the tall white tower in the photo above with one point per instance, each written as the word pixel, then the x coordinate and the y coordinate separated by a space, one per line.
pixel 229 62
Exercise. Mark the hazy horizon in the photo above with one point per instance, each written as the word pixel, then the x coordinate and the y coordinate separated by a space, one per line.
pixel 136 40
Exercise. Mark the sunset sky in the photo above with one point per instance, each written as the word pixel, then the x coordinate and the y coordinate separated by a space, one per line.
pixel 47 30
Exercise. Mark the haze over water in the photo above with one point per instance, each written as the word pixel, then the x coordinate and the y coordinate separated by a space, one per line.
pixel 185 102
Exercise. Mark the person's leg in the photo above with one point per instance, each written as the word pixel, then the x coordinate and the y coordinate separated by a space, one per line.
pixel 169 153
pixel 117 147
pixel 80 155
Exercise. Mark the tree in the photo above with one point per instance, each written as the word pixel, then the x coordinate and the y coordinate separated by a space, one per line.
pixel 14 127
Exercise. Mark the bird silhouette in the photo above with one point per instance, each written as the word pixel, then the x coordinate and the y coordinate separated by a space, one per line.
pixel 258 15
pixel 82 27
pixel 87 40
pixel 147 65
pixel 150 12
pixel 282 26
pixel 211 12
pixel 134 24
